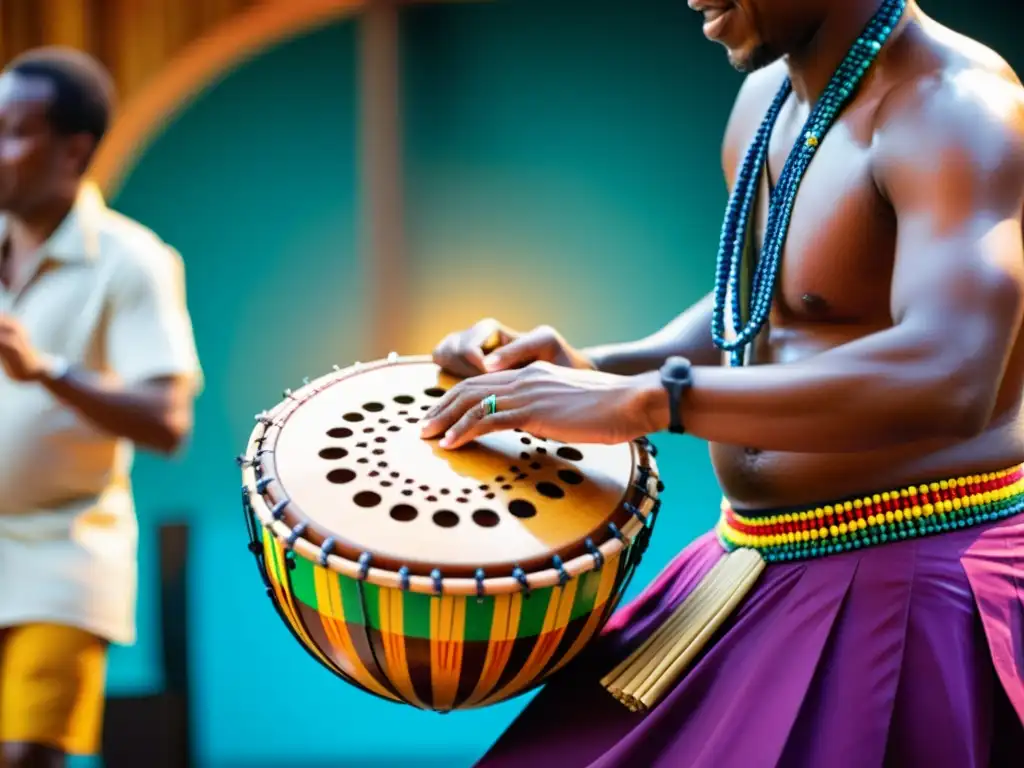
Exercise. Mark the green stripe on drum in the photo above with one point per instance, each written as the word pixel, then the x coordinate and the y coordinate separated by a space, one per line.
pixel 586 594
pixel 303 585
pixel 479 619
pixel 534 609
pixel 416 615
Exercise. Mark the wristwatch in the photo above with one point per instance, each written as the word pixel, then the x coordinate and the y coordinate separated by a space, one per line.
pixel 676 378
pixel 55 368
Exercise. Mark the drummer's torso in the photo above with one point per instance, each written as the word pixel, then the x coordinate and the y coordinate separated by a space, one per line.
pixel 835 287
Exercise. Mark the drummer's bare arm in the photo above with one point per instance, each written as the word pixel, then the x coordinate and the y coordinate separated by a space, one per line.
pixel 952 167
pixel 156 414
pixel 688 335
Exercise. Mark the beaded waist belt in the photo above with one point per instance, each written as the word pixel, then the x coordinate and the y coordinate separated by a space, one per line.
pixel 906 513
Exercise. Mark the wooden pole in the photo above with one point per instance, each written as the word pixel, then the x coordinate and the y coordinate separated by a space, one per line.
pixel 381 173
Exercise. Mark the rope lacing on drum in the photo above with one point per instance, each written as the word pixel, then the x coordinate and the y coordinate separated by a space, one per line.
pixel 480 576
pixel 650 447
pixel 364 565
pixel 595 553
pixel 614 529
pixel 563 575
pixel 635 512
pixel 296 532
pixel 520 575
pixel 326 549
pixel 262 483
pixel 278 511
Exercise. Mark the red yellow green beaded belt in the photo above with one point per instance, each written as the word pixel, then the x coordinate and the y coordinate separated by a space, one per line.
pixel 906 513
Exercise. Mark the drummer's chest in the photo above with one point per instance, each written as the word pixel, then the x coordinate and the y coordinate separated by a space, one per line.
pixel 839 248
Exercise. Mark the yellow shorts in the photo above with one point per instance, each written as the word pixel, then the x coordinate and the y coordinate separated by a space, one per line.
pixel 52 681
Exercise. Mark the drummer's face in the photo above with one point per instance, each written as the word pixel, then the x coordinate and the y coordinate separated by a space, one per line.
pixel 756 33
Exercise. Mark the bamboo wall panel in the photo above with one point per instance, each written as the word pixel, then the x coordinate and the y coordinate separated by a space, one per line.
pixel 133 38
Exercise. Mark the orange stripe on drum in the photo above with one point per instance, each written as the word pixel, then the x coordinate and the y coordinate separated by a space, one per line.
pixel 328 595
pixel 556 620
pixel 274 555
pixel 447 631
pixel 392 614
pixel 507 611
pixel 609 578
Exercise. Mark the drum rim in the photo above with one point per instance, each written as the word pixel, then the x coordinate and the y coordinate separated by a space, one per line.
pixel 636 509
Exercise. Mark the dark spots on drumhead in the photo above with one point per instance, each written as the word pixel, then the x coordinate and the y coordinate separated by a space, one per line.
pixel 446 518
pixel 431 498
pixel 405 399
pixel 393 429
pixel 522 508
pixel 524 440
pixel 366 499
pixel 407 492
pixel 375 473
pixel 486 518
pixel 570 477
pixel 404 513
pixel 542 450
pixel 550 490
pixel 524 456
pixel 569 454
pixel 368 431
pixel 333 453
pixel 380 439
pixel 535 465
pixel 362 460
pixel 434 392
pixel 339 433
pixel 353 417
pixel 341 476
pixel 373 407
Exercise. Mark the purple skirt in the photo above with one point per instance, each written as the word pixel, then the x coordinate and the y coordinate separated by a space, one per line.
pixel 908 654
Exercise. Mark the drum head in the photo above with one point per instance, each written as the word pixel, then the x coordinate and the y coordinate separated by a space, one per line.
pixel 348 457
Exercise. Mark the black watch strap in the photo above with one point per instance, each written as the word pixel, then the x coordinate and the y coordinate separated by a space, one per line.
pixel 676 378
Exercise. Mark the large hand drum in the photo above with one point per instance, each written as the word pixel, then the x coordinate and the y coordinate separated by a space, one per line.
pixel 440 579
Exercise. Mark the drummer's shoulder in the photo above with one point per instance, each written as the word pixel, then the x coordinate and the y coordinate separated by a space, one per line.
pixel 756 93
pixel 132 248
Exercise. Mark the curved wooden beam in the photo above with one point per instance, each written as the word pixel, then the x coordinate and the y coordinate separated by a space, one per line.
pixel 199 64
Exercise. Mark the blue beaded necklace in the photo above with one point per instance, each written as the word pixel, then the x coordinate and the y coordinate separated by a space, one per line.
pixel 731 249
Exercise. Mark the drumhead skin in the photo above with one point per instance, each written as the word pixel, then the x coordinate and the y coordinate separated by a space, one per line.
pixel 344 458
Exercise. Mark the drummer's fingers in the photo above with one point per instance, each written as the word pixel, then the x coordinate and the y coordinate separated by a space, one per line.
pixel 479 421
pixel 453 404
pixel 479 387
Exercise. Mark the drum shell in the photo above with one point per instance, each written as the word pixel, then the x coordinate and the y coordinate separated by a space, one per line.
pixel 440 652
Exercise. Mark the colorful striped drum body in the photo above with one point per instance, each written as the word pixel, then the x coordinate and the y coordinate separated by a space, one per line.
pixel 413 621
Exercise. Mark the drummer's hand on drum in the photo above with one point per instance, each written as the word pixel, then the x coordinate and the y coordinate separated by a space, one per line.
pixel 560 403
pixel 490 346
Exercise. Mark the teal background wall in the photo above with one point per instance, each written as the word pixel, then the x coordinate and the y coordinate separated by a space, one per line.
pixel 562 167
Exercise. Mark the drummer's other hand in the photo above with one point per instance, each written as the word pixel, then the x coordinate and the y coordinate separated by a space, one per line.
pixel 462 353
pixel 563 404
pixel 490 346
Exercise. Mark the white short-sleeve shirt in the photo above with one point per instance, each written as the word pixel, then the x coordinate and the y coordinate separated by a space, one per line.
pixel 108 296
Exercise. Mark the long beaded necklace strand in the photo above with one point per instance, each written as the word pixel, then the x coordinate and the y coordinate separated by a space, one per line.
pixel 731 250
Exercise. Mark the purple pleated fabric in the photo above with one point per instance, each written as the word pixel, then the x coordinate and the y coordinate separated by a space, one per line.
pixel 904 655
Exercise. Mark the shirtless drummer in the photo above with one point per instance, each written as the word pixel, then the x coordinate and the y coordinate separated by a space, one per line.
pixel 882 358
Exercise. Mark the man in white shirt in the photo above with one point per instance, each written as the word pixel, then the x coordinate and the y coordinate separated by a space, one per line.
pixel 97 355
